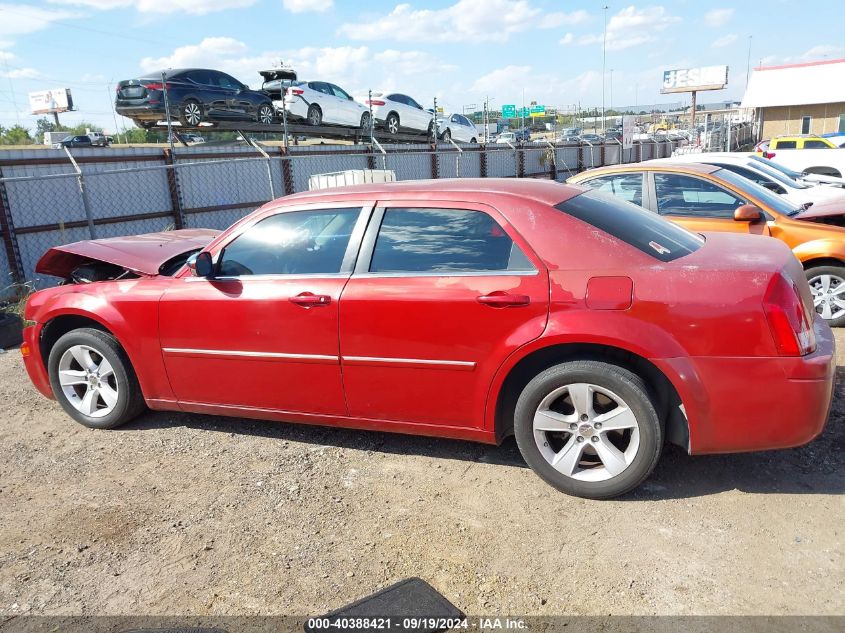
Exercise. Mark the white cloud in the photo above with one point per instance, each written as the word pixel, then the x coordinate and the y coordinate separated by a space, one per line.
pixel 464 21
pixel 567 39
pixel 820 51
pixel 549 89
pixel 21 73
pixel 725 40
pixel 718 17
pixel 19 19
pixel 354 68
pixel 633 27
pixel 192 7
pixel 303 6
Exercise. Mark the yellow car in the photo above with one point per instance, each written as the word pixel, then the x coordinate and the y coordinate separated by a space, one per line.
pixel 801 141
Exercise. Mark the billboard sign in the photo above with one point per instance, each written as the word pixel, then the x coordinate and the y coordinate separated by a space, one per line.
pixel 694 79
pixel 538 110
pixel 508 111
pixel 627 132
pixel 49 101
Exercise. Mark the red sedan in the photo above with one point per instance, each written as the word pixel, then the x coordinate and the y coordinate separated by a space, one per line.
pixel 589 328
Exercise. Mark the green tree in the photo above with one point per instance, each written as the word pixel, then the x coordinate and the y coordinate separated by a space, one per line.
pixel 16 135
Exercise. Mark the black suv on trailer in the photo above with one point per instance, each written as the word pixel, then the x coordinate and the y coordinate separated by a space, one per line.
pixel 195 95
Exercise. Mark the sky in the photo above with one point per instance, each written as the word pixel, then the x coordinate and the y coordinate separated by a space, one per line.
pixel 460 51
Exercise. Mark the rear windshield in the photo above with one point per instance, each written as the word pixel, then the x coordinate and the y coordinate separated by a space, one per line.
pixel 634 225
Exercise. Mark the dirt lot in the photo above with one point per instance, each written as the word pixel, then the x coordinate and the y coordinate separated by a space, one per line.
pixel 201 515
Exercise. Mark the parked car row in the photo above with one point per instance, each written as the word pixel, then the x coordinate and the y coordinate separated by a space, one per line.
pixel 743 193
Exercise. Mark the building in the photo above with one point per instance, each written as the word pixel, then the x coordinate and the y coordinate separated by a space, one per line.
pixel 798 98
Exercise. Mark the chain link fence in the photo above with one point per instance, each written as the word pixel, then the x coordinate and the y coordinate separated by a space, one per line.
pixel 51 197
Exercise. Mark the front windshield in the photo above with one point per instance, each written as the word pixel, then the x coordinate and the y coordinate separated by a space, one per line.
pixel 773 201
pixel 767 169
pixel 789 173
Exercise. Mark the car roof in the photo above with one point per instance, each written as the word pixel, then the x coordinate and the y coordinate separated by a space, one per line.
pixel 544 191
pixel 699 168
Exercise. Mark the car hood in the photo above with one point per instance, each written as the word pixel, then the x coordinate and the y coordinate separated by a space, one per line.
pixel 142 254
pixel 821 209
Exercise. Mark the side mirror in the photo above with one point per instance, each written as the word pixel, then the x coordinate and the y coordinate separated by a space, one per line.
pixel 203 266
pixel 744 213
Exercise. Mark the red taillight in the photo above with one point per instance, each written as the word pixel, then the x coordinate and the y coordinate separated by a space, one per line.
pixel 157 86
pixel 768 154
pixel 789 320
pixel 296 91
pixel 374 102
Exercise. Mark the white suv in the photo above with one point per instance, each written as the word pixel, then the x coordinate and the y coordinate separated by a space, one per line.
pixel 322 103
pixel 396 112
pixel 458 128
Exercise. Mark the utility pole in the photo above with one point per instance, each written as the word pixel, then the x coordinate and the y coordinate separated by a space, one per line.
pixel 748 63
pixel 603 65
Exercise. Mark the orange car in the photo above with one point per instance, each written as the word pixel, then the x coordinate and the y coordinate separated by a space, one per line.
pixel 709 198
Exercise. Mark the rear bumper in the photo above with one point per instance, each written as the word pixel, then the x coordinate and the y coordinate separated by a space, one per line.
pixel 753 404
pixel 33 362
pixel 142 112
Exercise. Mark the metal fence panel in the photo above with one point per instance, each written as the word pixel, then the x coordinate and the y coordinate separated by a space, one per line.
pixel 220 220
pixel 501 163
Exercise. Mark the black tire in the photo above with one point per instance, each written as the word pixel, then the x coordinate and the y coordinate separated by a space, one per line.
pixel 365 122
pixel 265 114
pixel 11 330
pixel 447 135
pixel 630 387
pixel 191 113
pixel 473 140
pixel 391 123
pixel 834 272
pixel 130 400
pixel 314 115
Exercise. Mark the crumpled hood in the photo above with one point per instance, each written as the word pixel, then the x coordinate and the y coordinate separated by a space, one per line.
pixel 142 254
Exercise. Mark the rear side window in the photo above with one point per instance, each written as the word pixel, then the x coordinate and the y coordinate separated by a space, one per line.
pixel 628 187
pixel 444 240
pixel 814 144
pixel 642 229
pixel 785 144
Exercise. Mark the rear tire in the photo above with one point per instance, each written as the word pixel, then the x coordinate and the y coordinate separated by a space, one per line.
pixel 315 115
pixel 824 281
pixel 589 428
pixel 447 135
pixel 93 380
pixel 473 140
pixel 190 113
pixel 366 123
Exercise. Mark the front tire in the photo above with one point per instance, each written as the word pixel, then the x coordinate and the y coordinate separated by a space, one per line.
pixel 827 283
pixel 190 113
pixel 391 123
pixel 93 380
pixel 366 123
pixel 588 428
pixel 447 135
pixel 265 114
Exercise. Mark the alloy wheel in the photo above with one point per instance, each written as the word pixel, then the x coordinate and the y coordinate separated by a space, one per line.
pixel 265 115
pixel 586 432
pixel 828 296
pixel 88 381
pixel 392 124
pixel 193 114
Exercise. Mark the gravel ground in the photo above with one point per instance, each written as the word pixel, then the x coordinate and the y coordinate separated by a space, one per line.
pixel 185 514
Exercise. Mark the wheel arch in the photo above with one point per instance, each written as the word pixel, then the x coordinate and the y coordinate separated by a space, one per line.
pixel 667 399
pixel 63 323
pixel 823 170
pixel 821 261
